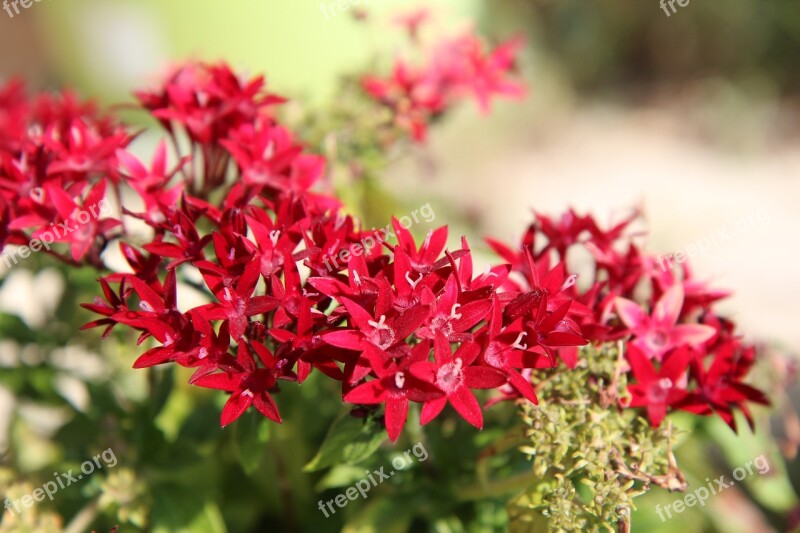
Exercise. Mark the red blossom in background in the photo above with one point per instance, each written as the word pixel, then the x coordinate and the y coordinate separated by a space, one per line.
pixel 454 69
pixel 57 158
pixel 659 333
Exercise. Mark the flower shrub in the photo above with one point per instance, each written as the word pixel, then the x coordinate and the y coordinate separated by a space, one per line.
pixel 237 207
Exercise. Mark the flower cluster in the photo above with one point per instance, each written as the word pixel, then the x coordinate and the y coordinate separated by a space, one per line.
pixel 453 69
pixel 398 323
pixel 386 327
pixel 239 215
pixel 679 354
pixel 54 150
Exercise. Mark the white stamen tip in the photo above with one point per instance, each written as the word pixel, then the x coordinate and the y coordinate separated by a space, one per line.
pixel 569 282
pixel 518 344
pixel 380 324
pixel 412 282
pixel 274 235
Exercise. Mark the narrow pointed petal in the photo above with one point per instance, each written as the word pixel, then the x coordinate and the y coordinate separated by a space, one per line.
pixel 464 402
pixel 640 364
pixel 431 409
pixel 396 414
pixel 656 413
pixel 483 377
pixel 266 406
pixel 693 334
pixel 347 338
pixel 631 314
pixel 668 308
pixel 369 393
pixel 522 385
pixel 236 405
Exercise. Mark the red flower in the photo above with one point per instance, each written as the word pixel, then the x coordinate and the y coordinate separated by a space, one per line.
pixel 384 332
pixel 483 74
pixel 239 207
pixel 395 386
pixel 208 101
pixel 237 305
pixel 453 319
pixel 459 66
pixel 658 389
pixel 250 385
pixel 80 225
pixel 720 389
pixel 660 332
pixel 83 150
pixel 502 349
pixel 152 185
pixel 455 375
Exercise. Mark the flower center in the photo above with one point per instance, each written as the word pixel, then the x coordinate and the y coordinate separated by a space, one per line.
pixel 382 335
pixel 450 377
pixel 659 338
pixel 658 391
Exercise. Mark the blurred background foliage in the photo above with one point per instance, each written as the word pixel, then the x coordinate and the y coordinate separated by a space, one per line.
pixel 65 397
pixel 633 49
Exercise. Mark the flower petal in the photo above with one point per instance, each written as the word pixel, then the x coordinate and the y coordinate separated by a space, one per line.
pixel 464 402
pixel 668 308
pixel 371 392
pixel 631 314
pixel 236 405
pixel 693 334
pixel 396 414
pixel 431 409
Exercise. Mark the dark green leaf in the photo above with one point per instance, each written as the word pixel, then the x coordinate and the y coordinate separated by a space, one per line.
pixel 350 441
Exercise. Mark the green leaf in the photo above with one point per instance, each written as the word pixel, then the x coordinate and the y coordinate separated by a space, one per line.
pixel 349 441
pixel 252 434
pixel 340 476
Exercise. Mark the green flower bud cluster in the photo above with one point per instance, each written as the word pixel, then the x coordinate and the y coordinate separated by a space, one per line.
pixel 590 456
